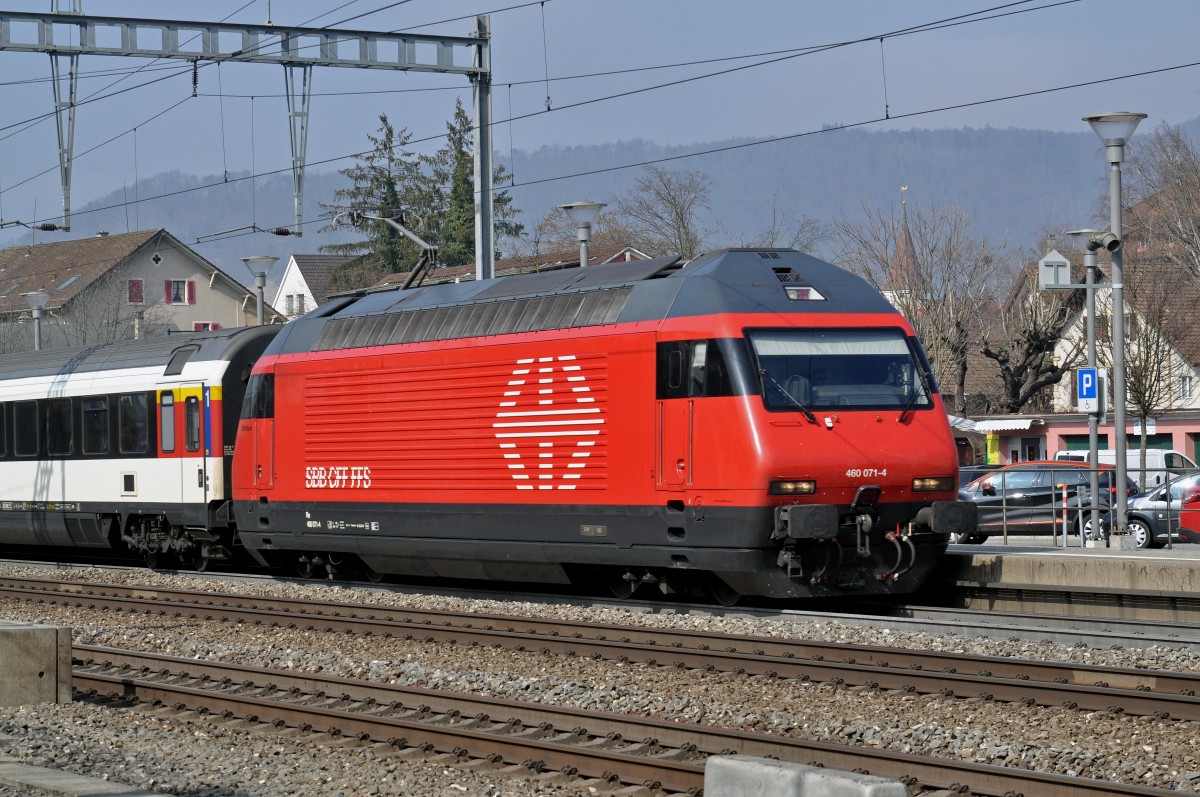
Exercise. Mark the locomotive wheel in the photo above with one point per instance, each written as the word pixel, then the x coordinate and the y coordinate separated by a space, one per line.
pixel 621 587
pixel 721 593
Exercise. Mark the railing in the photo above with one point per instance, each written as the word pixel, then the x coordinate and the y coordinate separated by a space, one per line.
pixel 1071 498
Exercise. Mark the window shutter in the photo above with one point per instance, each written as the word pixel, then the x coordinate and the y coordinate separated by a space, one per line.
pixel 167 291
pixel 191 291
pixel 137 292
pixel 215 325
pixel 197 326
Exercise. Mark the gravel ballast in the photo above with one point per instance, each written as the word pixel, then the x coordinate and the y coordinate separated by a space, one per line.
pixel 197 756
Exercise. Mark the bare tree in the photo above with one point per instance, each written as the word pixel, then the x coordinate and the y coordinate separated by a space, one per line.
pixel 804 234
pixel 1023 343
pixel 1160 301
pixel 555 233
pixel 103 315
pixel 664 211
pixel 1164 197
pixel 930 265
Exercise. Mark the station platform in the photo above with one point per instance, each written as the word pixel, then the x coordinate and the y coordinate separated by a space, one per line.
pixel 1029 573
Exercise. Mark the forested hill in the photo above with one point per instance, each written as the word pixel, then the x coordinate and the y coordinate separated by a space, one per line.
pixel 1016 183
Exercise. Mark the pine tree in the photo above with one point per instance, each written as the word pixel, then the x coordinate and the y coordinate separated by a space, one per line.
pixel 451 195
pixel 380 181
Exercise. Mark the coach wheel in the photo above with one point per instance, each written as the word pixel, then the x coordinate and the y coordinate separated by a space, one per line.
pixel 199 562
pixel 304 565
pixel 721 593
pixel 153 559
pixel 622 584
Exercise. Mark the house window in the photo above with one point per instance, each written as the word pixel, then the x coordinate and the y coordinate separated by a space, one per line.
pixel 136 291
pixel 180 292
pixel 291 304
pixel 1185 387
pixel 205 326
pixel 299 304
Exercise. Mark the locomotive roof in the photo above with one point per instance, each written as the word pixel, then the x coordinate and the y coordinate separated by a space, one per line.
pixel 726 281
pixel 155 352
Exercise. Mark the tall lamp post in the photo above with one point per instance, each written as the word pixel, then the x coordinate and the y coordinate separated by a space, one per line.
pixel 259 265
pixel 1088 242
pixel 1114 129
pixel 583 214
pixel 37 300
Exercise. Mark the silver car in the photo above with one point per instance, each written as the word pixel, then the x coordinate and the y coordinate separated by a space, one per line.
pixel 1148 517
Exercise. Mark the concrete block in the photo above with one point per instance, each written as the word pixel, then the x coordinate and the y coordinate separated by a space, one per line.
pixel 750 776
pixel 65 784
pixel 36 662
pixel 1124 542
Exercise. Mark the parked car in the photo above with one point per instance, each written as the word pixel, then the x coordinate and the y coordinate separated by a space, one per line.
pixel 1189 513
pixel 969 473
pixel 1148 516
pixel 1034 498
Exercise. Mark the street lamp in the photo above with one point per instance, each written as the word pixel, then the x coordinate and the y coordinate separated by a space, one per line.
pixel 37 300
pixel 1088 242
pixel 1114 129
pixel 259 265
pixel 583 214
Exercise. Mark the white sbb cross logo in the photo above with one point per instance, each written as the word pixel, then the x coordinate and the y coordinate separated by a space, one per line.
pixel 548 423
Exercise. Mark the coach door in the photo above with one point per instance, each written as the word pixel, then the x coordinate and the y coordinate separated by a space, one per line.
pixel 182 425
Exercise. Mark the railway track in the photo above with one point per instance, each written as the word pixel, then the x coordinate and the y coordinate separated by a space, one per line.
pixel 1029 682
pixel 668 756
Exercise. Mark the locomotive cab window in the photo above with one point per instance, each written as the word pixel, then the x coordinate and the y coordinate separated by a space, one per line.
pixel 260 397
pixel 692 369
pixel 801 369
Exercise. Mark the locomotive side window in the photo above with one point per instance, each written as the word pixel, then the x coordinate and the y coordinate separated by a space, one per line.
pixel 692 369
pixel 134 418
pixel 95 425
pixel 166 416
pixel 847 368
pixel 25 429
pixel 191 423
pixel 260 397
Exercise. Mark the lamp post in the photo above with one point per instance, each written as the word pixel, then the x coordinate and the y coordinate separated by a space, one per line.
pixel 1088 242
pixel 1114 129
pixel 37 300
pixel 583 214
pixel 259 265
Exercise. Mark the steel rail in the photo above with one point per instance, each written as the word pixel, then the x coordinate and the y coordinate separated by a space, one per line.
pixel 1087 687
pixel 361 708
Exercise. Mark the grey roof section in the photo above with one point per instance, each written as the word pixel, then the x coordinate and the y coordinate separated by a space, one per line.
pixel 728 281
pixel 316 270
pixel 221 344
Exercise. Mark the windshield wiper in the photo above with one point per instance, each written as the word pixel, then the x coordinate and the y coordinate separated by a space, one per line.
pixel 912 399
pixel 783 392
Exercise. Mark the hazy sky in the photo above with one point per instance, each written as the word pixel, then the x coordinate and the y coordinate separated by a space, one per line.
pixel 223 129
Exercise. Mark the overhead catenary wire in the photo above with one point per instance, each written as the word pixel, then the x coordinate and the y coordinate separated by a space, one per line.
pixel 950 21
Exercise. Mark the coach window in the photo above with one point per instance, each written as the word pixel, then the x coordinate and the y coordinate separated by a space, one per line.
pixel 58 427
pixel 25 429
pixel 166 414
pixel 95 425
pixel 133 415
pixel 191 423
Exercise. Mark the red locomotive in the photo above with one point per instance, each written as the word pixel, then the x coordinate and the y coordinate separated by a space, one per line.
pixel 757 422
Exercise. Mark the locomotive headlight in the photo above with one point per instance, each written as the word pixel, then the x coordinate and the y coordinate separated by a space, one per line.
pixel 933 484
pixel 804 487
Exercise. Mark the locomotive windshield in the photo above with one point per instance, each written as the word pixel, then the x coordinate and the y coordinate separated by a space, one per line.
pixel 803 369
